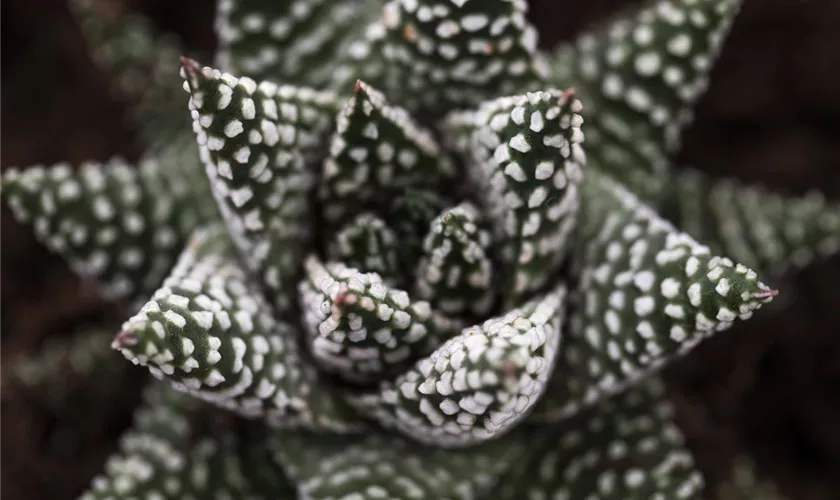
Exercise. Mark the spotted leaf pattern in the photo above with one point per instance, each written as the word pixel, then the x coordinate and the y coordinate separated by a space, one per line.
pixel 212 335
pixel 360 328
pixel 526 161
pixel 640 76
pixel 297 41
pixel 646 294
pixel 761 229
pixel 478 385
pixel 367 243
pixel 381 466
pixel 256 141
pixel 627 446
pixel 438 55
pixel 119 225
pixel 377 152
pixel 455 272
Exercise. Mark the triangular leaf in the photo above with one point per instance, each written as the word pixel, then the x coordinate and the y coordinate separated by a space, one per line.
pixel 525 160
pixel 640 76
pixel 646 295
pixel 211 333
pixel 477 386
pixel 256 142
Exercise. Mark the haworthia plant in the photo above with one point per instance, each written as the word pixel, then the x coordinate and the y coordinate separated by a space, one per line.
pixel 404 244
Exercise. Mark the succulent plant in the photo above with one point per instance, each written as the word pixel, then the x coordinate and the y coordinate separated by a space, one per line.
pixel 411 253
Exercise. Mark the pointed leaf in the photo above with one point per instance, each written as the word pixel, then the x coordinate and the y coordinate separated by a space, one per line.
pixel 761 229
pixel 647 294
pixel 368 244
pixel 435 57
pixel 297 42
pixel 115 223
pixel 378 151
pixel 625 447
pixel 384 466
pixel 525 159
pixel 256 141
pixel 455 273
pixel 362 329
pixel 640 76
pixel 211 334
pixel 477 386
pixel 143 62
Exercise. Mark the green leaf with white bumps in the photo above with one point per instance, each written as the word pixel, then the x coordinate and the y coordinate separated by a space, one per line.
pixel 120 225
pixel 164 456
pixel 411 216
pixel 360 328
pixel 211 334
pixel 455 273
pixel 477 386
pixel 143 64
pixel 640 76
pixel 297 41
pixel 381 466
pixel 626 447
pixel 646 295
pixel 526 162
pixel 368 244
pixel 377 152
pixel 257 142
pixel 437 55
pixel 763 230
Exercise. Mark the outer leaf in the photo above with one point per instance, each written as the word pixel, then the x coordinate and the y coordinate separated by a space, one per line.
pixel 211 334
pixel 360 328
pixel 525 159
pixel 157 460
pixel 292 41
pixel 144 65
pixel 647 294
pixel 640 76
pixel 120 225
pixel 479 385
pixel 456 273
pixel 439 56
pixel 382 466
pixel 763 230
pixel 626 447
pixel 255 142
pixel 377 152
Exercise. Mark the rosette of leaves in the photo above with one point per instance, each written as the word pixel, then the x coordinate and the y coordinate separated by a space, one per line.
pixel 431 246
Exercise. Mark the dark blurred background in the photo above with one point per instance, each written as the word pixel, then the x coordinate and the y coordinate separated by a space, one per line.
pixel 772 115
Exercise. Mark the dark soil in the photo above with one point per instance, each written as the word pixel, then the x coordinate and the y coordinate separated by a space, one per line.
pixel 770 388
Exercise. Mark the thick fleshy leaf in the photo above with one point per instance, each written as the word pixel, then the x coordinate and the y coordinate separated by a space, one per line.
pixel 385 466
pixel 157 458
pixel 143 64
pixel 626 447
pixel 455 273
pixel 477 386
pixel 640 76
pixel 369 245
pixel 211 333
pixel 120 225
pixel 299 42
pixel 411 215
pixel 437 56
pixel 256 142
pixel 526 161
pixel 360 328
pixel 763 230
pixel 378 151
pixel 646 295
